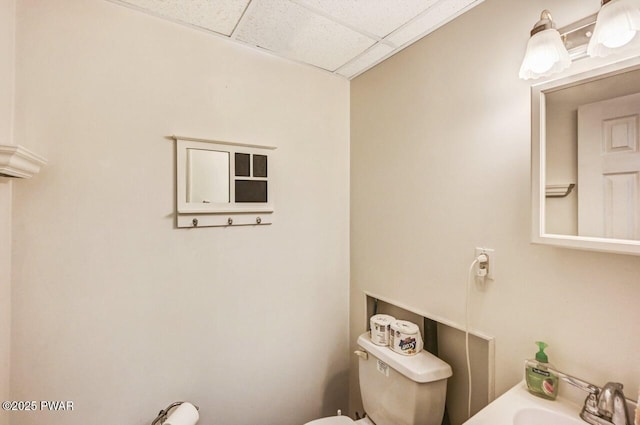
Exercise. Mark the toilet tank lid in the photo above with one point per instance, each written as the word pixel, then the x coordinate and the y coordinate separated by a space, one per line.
pixel 422 367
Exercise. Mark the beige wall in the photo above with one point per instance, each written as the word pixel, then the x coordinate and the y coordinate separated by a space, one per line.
pixel 114 308
pixel 5 292
pixel 7 29
pixel 440 151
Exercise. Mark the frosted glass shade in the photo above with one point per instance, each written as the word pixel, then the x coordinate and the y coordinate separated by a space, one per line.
pixel 545 55
pixel 616 28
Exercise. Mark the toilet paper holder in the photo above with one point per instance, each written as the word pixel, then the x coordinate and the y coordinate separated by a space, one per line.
pixel 164 413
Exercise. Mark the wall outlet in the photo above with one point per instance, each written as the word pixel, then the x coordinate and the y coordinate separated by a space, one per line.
pixel 491 264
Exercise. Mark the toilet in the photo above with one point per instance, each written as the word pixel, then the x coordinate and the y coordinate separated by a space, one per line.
pixel 397 389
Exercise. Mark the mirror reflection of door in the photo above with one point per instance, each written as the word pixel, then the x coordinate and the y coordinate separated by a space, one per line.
pixel 609 168
pixel 207 176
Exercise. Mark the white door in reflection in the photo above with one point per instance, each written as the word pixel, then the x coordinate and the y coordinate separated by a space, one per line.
pixel 609 168
pixel 207 176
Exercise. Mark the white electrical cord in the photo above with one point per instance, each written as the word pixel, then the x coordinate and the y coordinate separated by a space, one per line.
pixel 466 334
pixel 482 258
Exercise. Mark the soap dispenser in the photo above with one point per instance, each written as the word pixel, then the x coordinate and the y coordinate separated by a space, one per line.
pixel 540 380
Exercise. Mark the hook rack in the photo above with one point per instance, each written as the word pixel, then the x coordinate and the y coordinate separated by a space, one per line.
pixel 224 220
pixel 195 221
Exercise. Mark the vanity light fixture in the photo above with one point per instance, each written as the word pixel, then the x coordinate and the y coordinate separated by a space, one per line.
pixel 613 29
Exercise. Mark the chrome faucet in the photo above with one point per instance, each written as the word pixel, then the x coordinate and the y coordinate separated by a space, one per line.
pixel 603 406
pixel 610 406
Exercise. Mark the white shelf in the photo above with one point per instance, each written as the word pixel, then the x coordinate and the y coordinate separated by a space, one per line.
pixel 17 161
pixel 558 190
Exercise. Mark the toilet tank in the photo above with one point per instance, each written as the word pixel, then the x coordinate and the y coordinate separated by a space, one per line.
pixel 402 390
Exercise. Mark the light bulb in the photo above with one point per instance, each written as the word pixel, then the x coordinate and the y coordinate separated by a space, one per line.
pixel 616 37
pixel 541 62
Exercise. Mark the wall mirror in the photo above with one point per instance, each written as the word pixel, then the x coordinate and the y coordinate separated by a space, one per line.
pixel 223 183
pixel 586 160
pixel 207 177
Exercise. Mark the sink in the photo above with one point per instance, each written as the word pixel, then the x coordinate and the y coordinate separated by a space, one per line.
pixel 536 416
pixel 519 407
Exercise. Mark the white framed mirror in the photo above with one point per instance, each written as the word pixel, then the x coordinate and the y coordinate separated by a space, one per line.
pixel 223 183
pixel 586 159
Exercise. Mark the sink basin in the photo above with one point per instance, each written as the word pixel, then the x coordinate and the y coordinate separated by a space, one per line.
pixel 519 407
pixel 536 416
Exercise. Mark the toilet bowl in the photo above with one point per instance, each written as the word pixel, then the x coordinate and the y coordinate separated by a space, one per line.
pixel 340 420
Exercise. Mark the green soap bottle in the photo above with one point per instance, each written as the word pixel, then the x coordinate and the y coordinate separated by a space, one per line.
pixel 540 380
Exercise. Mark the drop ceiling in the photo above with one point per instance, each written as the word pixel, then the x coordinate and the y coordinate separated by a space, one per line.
pixel 344 37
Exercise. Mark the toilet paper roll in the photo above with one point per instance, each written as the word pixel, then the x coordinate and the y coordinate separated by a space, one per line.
pixel 380 327
pixel 185 414
pixel 405 338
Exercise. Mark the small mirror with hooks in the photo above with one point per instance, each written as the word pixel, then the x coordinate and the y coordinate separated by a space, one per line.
pixel 223 183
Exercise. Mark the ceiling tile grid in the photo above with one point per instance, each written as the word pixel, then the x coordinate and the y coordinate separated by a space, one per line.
pixel 220 16
pixel 378 17
pixel 438 15
pixel 366 60
pixel 292 31
pixel 344 37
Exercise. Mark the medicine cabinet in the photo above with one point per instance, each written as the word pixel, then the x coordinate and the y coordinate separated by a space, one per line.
pixel 586 140
pixel 223 183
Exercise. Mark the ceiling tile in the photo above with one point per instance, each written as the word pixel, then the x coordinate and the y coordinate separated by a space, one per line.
pixel 220 16
pixel 441 13
pixel 294 32
pixel 378 17
pixel 341 36
pixel 365 61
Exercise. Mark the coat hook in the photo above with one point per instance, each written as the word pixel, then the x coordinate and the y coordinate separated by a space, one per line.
pixel 258 220
pixel 195 222
pixel 230 221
